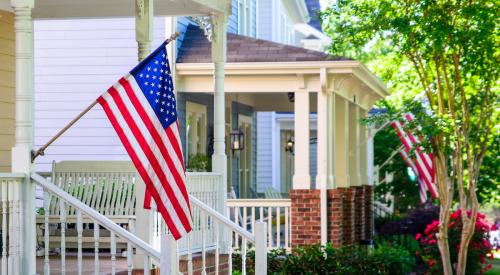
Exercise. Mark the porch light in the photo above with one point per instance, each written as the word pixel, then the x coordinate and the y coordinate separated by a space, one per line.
pixel 237 140
pixel 289 145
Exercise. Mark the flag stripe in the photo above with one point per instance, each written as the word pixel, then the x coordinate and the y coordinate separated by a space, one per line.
pixel 142 108
pixel 424 162
pixel 167 149
pixel 152 156
pixel 138 164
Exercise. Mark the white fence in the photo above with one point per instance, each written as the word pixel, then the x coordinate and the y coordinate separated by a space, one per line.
pixel 208 188
pixel 11 220
pixel 275 212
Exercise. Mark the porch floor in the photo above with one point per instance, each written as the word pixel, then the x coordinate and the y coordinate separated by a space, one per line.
pixel 88 264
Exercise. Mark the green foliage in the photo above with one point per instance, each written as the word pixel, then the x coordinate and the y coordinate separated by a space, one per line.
pixel 477 256
pixel 199 163
pixel 329 260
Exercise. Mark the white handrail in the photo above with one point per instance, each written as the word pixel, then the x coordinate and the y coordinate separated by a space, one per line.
pixel 221 218
pixel 101 219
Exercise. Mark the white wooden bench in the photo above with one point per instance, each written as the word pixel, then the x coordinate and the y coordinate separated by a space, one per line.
pixel 106 186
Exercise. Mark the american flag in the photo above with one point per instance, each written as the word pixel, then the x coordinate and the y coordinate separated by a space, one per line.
pixel 142 109
pixel 422 188
pixel 422 163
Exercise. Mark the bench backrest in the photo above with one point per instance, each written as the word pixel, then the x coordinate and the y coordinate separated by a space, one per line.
pixel 271 193
pixel 106 186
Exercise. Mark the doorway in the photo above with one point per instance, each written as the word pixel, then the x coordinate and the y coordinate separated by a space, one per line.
pixel 245 157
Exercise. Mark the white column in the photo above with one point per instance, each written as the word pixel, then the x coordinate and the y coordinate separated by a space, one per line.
pixel 363 150
pixel 143 36
pixel 301 177
pixel 21 153
pixel 323 148
pixel 144 16
pixel 354 145
pixel 341 135
pixel 219 158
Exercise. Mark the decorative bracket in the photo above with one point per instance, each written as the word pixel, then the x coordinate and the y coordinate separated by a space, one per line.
pixel 205 23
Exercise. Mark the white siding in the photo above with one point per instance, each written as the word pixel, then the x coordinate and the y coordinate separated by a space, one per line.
pixel 264 150
pixel 75 62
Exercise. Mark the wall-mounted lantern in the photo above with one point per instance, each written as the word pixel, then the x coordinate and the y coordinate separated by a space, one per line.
pixel 237 140
pixel 289 145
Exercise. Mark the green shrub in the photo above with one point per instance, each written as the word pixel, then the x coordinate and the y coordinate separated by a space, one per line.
pixel 329 260
pixel 199 163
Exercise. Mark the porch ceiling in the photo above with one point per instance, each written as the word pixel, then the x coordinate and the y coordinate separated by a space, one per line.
pixel 59 9
pixel 345 78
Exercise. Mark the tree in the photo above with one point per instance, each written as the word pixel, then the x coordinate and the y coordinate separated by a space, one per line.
pixel 452 48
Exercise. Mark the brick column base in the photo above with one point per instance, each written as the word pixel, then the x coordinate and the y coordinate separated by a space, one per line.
pixel 306 217
pixel 359 213
pixel 335 216
pixel 348 212
pixel 368 211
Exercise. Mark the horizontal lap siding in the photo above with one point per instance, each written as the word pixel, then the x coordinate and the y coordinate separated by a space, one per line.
pixel 75 62
pixel 7 88
pixel 264 151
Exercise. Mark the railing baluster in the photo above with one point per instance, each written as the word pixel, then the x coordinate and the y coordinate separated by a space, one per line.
pixel 203 243
pixel 236 215
pixel 278 222
pixel 230 253
pixel 96 248
pixel 244 220
pixel 146 264
pixel 253 219
pixel 62 217
pixel 129 248
pixel 217 250
pixel 243 256
pixel 79 230
pixel 190 253
pixel 12 239
pixel 287 228
pixel 269 227
pixel 113 253
pixel 46 265
pixel 4 226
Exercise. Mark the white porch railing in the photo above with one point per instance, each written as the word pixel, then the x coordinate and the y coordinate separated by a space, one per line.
pixel 209 221
pixel 11 220
pixel 206 187
pixel 275 212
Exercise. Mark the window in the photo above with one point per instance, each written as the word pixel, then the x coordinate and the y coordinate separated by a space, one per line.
pixel 245 14
pixel 196 129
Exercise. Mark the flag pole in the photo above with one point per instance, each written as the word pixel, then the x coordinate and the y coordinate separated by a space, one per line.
pixel 41 150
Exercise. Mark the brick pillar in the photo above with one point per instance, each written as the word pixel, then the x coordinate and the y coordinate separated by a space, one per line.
pixel 306 219
pixel 368 211
pixel 348 212
pixel 335 216
pixel 359 213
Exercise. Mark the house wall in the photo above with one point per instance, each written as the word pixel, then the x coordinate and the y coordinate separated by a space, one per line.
pixel 7 89
pixel 75 62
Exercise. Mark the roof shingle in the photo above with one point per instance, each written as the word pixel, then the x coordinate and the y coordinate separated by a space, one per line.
pixel 197 49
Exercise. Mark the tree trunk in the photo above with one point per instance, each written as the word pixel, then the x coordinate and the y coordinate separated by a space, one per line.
pixel 445 187
pixel 442 240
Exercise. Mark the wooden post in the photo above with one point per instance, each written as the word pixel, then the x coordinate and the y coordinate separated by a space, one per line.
pixel 260 248
pixel 21 153
pixel 301 177
pixel 169 264
pixel 219 157
pixel 144 36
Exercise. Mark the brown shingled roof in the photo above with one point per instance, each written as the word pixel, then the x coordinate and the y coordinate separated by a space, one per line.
pixel 196 49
